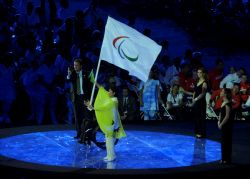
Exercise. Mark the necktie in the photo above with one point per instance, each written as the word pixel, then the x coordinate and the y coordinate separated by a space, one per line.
pixel 78 88
pixel 125 104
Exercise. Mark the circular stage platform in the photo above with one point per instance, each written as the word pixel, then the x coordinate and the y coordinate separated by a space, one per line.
pixel 52 151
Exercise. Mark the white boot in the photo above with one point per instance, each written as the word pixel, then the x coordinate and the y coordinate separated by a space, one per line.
pixel 110 150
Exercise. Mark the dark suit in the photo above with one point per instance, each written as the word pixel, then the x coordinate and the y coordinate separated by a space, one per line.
pixel 82 114
pixel 131 108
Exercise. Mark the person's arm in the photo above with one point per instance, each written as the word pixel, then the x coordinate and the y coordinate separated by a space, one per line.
pixel 219 119
pixel 236 102
pixel 69 73
pixel 225 119
pixel 223 82
pixel 98 85
pixel 188 93
pixel 193 102
pixel 169 102
pixel 116 117
pixel 159 95
pixel 203 93
pixel 215 94
pixel 180 99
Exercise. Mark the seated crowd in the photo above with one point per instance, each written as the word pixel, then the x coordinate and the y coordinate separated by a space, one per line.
pixel 37 46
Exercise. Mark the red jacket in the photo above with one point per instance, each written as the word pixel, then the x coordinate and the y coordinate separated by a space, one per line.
pixel 217 98
pixel 215 76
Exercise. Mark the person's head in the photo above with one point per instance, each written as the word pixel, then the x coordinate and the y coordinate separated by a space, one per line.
pixel 125 92
pixel 77 64
pixel 244 78
pixel 222 92
pixel 219 64
pixel 185 68
pixel 241 71
pixel 112 80
pixel 175 88
pixel 153 73
pixel 112 91
pixel 232 70
pixel 236 88
pixel 227 95
pixel 201 73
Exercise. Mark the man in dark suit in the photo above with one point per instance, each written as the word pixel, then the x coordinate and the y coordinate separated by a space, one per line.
pixel 128 106
pixel 81 88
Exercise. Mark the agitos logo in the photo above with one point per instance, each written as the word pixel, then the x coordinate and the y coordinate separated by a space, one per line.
pixel 121 52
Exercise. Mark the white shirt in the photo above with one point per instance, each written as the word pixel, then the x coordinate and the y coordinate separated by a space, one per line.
pixel 229 80
pixel 175 100
pixel 80 76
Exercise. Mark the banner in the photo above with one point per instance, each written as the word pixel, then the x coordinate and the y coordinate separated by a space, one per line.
pixel 128 49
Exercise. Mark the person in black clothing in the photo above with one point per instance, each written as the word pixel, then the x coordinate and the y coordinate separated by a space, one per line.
pixel 225 124
pixel 128 107
pixel 81 88
pixel 199 103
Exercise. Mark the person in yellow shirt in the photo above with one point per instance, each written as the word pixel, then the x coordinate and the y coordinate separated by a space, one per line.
pixel 108 118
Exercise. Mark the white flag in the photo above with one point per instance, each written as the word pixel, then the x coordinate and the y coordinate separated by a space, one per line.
pixel 128 49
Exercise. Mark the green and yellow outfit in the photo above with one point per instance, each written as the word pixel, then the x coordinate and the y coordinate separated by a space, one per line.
pixel 108 118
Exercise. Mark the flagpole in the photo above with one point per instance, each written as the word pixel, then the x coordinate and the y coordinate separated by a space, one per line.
pixel 93 89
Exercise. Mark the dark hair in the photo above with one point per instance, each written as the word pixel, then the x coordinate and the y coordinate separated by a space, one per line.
pixel 243 69
pixel 78 60
pixel 113 88
pixel 203 71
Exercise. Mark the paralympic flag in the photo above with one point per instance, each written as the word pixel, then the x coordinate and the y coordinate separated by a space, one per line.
pixel 128 49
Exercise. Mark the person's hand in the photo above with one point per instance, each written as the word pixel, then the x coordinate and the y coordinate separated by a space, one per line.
pixel 124 116
pixel 89 106
pixel 243 91
pixel 69 71
pixel 116 125
pixel 194 100
pixel 219 125
pixel 86 103
pixel 190 104
pixel 161 103
pixel 244 106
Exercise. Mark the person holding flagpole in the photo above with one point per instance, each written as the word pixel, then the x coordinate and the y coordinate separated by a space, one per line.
pixel 108 117
pixel 130 50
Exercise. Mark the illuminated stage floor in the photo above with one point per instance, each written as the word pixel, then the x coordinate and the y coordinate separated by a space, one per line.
pixel 139 150
pixel 164 149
